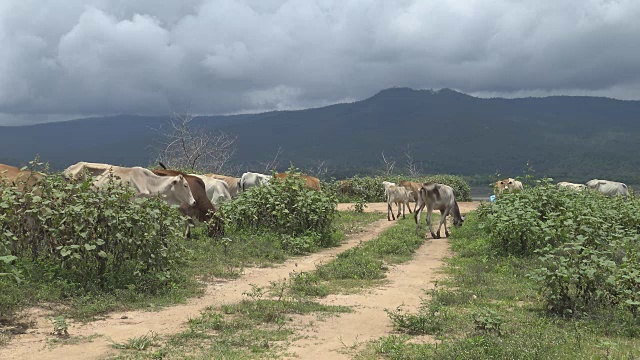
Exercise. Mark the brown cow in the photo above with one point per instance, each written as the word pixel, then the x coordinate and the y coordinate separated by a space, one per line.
pixel 310 181
pixel 203 210
pixel 414 188
pixel 20 178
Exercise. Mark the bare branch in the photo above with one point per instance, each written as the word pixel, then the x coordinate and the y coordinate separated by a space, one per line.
pixel 387 164
pixel 412 168
pixel 181 145
pixel 273 163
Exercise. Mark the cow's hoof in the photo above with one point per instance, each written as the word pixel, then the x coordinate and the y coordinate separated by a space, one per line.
pixel 446 234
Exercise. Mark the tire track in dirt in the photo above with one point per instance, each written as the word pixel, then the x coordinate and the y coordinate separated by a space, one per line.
pixel 120 326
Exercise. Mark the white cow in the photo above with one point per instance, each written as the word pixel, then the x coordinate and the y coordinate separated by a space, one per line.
pixel 217 190
pixel 609 188
pixel 386 185
pixel 508 185
pixel 233 183
pixel 397 195
pixel 76 171
pixel 571 186
pixel 173 189
pixel 251 179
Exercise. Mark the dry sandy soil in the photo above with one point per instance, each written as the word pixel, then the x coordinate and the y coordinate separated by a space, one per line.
pixel 325 338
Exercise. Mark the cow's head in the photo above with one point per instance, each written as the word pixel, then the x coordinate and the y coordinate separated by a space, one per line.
pixel 182 191
pixel 457 222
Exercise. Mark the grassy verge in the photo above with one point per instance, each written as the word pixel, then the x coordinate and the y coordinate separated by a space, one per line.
pixel 256 328
pixel 206 259
pixel 488 308
pixel 362 266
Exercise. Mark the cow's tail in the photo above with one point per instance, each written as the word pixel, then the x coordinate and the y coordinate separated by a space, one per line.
pixel 162 165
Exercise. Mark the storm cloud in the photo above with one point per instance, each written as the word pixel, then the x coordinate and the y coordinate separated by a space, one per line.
pixel 74 58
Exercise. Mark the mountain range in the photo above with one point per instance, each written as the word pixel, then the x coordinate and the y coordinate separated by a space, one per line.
pixel 566 137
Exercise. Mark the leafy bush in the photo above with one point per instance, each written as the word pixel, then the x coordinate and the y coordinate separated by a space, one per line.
pixel 369 189
pixel 285 207
pixel 90 240
pixel 587 244
pixel 430 320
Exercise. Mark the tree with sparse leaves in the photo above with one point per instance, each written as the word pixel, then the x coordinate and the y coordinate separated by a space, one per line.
pixel 183 145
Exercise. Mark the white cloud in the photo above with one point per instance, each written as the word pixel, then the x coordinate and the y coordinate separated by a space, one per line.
pixel 77 57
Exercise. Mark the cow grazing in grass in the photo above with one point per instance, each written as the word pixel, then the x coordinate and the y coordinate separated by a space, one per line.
pixel 609 188
pixel 438 197
pixel 202 209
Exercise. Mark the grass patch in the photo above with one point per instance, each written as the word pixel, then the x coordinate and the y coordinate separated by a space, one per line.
pixel 362 266
pixel 139 343
pixel 488 308
pixel 258 327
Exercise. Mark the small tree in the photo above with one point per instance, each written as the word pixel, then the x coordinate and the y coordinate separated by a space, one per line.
pixel 182 145
pixel 413 169
pixel 387 165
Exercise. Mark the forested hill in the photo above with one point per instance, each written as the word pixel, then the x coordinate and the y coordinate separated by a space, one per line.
pixel 566 137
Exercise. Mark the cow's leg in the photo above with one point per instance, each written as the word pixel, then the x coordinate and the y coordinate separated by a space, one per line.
pixel 389 211
pixel 417 215
pixel 409 206
pixel 398 204
pixel 443 221
pixel 429 211
pixel 403 205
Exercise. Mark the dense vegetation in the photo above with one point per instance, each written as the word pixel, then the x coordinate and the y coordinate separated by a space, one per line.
pixel 65 235
pixel 587 245
pixel 287 208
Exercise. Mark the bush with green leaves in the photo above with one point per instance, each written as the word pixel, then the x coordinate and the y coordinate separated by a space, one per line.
pixel 369 189
pixel 588 244
pixel 89 239
pixel 304 217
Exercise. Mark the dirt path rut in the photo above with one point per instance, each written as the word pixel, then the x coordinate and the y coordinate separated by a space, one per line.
pixel 334 337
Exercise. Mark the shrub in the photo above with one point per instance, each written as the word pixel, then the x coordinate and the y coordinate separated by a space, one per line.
pixel 89 240
pixel 587 244
pixel 284 207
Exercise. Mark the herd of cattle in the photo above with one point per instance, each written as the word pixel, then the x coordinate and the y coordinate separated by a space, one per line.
pixel 441 197
pixel 198 196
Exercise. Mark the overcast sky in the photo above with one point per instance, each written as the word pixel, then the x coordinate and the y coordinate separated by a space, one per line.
pixel 71 58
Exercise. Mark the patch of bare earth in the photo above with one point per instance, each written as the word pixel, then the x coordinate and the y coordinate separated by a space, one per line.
pixel 121 326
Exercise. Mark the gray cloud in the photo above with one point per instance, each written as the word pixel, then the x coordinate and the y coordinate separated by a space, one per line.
pixel 79 58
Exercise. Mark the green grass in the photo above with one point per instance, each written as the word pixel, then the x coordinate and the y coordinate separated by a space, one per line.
pixel 364 265
pixel 488 308
pixel 258 327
